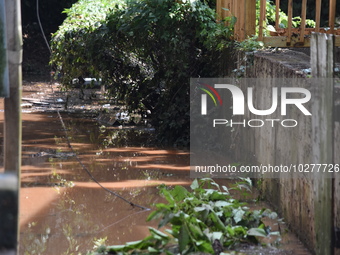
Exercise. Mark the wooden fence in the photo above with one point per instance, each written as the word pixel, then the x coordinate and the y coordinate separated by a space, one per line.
pixel 245 12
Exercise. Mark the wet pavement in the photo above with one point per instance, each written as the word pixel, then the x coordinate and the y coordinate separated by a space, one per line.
pixel 63 211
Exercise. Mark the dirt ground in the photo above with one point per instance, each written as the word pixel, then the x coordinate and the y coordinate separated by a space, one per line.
pixel 50 96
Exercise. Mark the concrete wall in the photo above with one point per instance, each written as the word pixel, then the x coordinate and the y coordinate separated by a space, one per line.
pixel 292 197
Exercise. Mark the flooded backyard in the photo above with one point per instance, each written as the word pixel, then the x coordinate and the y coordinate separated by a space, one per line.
pixel 64 211
pixel 62 205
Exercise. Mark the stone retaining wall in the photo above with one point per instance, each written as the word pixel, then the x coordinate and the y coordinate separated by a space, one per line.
pixel 292 197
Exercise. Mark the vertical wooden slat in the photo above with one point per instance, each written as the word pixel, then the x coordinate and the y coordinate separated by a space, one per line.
pixel 250 18
pixel 277 15
pixel 317 15
pixel 223 9
pixel 227 5
pixel 241 19
pixel 303 20
pixel 262 18
pixel 236 14
pixel 219 9
pixel 290 17
pixel 331 20
pixel 232 6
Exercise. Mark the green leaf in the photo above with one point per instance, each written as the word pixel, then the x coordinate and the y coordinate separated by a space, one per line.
pixel 222 203
pixel 158 233
pixel 133 243
pixel 179 193
pixel 166 219
pixel 194 185
pixel 196 231
pixel 218 223
pixel 205 246
pixel 183 238
pixel 168 196
pixel 200 209
pixel 257 232
pixel 153 250
pixel 217 196
pixel 214 235
pixel 154 215
pixel 238 214
pixel 230 231
pixel 225 189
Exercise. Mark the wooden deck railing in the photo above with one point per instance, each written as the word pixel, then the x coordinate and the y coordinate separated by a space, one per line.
pixel 245 12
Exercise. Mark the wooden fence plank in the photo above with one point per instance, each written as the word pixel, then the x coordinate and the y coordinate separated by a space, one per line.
pixel 277 15
pixel 290 19
pixel 235 12
pixel 280 41
pixel 262 18
pixel 331 20
pixel 219 9
pixel 322 64
pixel 303 20
pixel 241 11
pixel 317 15
pixel 250 18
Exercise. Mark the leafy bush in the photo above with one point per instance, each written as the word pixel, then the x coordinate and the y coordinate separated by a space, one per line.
pixel 207 219
pixel 145 51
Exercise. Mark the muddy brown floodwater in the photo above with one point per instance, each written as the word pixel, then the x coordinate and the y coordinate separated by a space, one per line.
pixel 63 211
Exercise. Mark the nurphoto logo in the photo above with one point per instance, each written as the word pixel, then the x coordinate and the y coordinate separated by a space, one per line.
pixel 288 97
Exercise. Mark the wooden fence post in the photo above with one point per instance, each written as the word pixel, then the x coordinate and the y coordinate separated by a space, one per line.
pixel 12 128
pixel 8 214
pixel 245 13
pixel 12 122
pixel 322 64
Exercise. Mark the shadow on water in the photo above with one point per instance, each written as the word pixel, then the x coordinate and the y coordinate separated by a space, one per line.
pixel 63 210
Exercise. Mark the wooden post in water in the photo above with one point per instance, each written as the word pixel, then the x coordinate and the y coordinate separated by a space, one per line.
pixel 12 127
pixel 322 64
pixel 8 214
pixel 10 181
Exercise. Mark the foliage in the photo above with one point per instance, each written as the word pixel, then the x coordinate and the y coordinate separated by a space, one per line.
pixel 250 44
pixel 146 51
pixel 200 219
pixel 283 17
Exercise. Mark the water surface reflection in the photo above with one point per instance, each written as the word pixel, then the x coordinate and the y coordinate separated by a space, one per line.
pixel 63 210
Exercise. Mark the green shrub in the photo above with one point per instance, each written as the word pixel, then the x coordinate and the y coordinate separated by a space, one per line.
pixel 145 51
